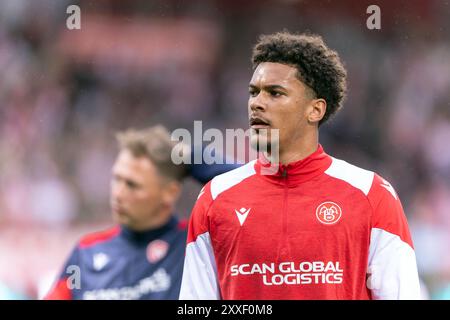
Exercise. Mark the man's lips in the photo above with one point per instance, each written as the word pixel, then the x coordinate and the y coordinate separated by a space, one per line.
pixel 118 209
pixel 259 123
pixel 260 126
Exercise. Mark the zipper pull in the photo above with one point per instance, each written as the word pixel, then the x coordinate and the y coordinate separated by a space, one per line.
pixel 284 174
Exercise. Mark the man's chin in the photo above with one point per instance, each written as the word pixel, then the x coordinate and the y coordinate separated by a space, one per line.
pixel 260 144
pixel 121 218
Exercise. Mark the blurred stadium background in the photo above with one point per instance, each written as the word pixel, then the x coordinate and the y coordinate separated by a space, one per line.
pixel 63 94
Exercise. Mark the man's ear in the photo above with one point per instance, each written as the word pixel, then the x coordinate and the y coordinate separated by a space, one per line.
pixel 171 192
pixel 317 110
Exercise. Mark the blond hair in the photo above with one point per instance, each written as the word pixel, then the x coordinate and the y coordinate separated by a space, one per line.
pixel 155 144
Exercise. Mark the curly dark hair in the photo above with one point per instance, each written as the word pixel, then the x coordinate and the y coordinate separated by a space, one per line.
pixel 318 66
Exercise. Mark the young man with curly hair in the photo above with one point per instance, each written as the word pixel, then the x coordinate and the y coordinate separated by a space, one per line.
pixel 319 227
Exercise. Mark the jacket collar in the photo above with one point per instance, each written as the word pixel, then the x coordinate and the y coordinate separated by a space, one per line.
pixel 146 236
pixel 296 172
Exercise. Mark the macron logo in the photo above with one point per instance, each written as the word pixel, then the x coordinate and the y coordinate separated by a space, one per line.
pixel 242 214
pixel 100 261
pixel 389 188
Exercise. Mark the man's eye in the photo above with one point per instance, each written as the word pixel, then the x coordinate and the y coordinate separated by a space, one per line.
pixel 252 93
pixel 275 93
pixel 131 185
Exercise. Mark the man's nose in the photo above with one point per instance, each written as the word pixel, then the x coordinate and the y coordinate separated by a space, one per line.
pixel 118 191
pixel 257 103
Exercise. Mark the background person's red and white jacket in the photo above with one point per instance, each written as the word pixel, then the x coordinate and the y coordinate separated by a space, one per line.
pixel 320 228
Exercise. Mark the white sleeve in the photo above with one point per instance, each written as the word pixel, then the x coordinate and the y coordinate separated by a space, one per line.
pixel 392 268
pixel 199 280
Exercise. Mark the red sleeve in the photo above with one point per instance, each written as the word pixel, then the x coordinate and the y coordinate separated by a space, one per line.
pixel 198 222
pixel 61 289
pixel 392 268
pixel 199 279
pixel 388 211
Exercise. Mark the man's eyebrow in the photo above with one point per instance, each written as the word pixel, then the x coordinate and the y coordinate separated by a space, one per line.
pixel 267 87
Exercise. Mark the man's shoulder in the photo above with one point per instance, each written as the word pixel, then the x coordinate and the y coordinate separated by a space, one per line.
pixel 369 182
pixel 100 237
pixel 231 178
pixel 353 175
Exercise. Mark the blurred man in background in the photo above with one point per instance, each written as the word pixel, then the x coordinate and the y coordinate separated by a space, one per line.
pixel 142 257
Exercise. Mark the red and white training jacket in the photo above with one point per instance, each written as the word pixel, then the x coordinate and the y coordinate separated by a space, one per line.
pixel 319 228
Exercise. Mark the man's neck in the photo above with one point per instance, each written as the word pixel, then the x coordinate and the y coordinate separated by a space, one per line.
pixel 297 155
pixel 299 150
pixel 156 222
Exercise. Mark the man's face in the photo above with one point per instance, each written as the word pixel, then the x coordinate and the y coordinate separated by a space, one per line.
pixel 136 191
pixel 278 100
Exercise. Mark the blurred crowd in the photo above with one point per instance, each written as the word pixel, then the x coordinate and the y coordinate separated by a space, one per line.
pixel 64 93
